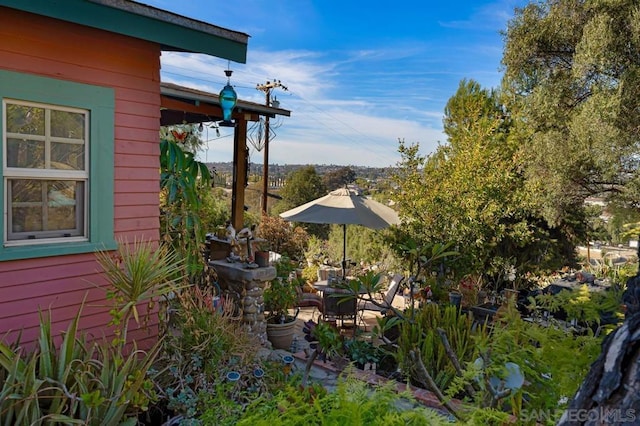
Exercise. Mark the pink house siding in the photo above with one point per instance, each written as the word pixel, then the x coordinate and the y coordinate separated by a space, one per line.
pixel 38 45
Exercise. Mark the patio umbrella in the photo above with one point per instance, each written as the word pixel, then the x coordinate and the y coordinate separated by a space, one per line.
pixel 344 207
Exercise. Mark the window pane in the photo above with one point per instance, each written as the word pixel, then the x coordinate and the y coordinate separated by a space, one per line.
pixel 67 124
pixel 67 156
pixel 25 153
pixel 25 119
pixel 26 205
pixel 46 208
pixel 63 199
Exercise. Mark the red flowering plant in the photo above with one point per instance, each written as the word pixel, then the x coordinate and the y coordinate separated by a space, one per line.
pixel 469 286
pixel 424 293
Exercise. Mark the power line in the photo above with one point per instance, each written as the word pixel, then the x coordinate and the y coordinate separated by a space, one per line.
pixel 331 128
pixel 350 138
pixel 267 88
pixel 213 82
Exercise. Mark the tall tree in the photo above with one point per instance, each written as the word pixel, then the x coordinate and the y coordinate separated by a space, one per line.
pixel 335 179
pixel 573 66
pixel 301 186
pixel 471 191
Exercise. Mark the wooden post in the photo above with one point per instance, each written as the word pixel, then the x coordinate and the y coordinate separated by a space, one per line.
pixel 240 159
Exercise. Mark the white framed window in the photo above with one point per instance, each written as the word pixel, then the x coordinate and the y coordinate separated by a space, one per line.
pixel 45 172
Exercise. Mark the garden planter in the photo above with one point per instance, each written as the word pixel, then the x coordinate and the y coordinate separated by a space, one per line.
pixel 481 298
pixel 485 312
pixel 339 362
pixel 455 299
pixel 392 334
pixel 511 295
pixel 281 335
pixel 262 258
pixel 388 365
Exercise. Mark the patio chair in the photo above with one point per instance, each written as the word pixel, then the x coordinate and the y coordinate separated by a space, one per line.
pixel 385 302
pixel 306 300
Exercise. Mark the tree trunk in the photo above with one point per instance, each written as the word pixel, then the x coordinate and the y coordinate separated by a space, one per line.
pixel 610 394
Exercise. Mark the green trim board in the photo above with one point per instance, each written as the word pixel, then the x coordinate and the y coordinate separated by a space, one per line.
pixel 173 32
pixel 100 101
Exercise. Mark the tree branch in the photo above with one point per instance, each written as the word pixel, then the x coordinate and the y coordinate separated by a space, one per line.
pixel 425 378
pixel 454 360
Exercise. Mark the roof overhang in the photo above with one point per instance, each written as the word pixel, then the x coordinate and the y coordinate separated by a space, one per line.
pixel 173 32
pixel 181 104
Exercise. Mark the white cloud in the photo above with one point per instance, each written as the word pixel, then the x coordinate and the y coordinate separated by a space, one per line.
pixel 327 123
pixel 348 106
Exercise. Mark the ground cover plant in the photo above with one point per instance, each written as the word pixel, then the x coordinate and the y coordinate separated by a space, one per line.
pixel 352 403
pixel 553 361
pixel 205 342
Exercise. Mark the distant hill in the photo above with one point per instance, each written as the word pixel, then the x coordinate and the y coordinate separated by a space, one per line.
pixel 277 171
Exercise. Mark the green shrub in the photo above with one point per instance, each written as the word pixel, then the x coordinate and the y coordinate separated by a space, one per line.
pixel 139 272
pixel 282 238
pixel 78 383
pixel 422 334
pixel 582 304
pixel 310 273
pixel 362 351
pixel 553 361
pixel 352 403
pixel 201 347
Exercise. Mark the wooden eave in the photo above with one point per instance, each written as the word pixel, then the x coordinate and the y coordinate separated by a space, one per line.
pixel 172 31
pixel 181 104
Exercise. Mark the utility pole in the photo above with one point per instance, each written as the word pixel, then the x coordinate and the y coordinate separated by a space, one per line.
pixel 267 88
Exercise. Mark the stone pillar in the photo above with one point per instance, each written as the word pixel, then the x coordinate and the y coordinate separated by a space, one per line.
pixel 246 287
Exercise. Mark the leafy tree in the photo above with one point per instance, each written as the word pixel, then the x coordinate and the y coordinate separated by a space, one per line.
pixel 301 186
pixel 471 192
pixel 253 196
pixel 572 69
pixel 215 208
pixel 338 178
pixel 622 220
pixel 363 244
pixel 283 238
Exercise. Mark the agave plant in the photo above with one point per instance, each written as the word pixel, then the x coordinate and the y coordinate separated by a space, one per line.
pixel 77 382
pixel 138 273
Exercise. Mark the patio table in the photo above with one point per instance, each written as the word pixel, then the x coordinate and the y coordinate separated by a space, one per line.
pixel 347 309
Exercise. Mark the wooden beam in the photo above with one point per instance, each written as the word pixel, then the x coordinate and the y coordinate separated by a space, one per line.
pixel 214 112
pixel 204 108
pixel 240 160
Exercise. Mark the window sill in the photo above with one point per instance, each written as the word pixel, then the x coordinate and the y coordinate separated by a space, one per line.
pixel 52 249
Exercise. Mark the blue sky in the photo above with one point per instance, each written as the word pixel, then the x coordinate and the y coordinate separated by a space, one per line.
pixel 361 75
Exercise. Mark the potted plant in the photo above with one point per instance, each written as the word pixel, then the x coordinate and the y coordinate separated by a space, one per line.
pixel 469 287
pixel 262 254
pixel 363 353
pixel 511 294
pixel 455 297
pixel 280 296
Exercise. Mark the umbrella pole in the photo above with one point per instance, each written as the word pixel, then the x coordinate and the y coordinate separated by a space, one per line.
pixel 344 251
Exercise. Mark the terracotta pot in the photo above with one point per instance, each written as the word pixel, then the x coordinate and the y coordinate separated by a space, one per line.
pixel 281 335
